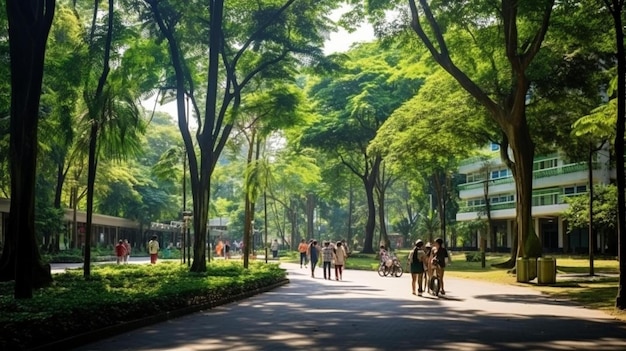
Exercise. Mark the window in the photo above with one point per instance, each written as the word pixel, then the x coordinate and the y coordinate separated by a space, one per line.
pixel 574 190
pixel 503 173
pixel 545 164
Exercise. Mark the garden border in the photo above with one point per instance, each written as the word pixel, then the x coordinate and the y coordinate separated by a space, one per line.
pixel 110 331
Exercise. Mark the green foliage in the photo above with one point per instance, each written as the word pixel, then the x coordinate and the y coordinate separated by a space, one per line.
pixel 473 256
pixel 120 293
pixel 604 209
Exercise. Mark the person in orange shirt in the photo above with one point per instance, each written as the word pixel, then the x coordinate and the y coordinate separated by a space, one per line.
pixel 218 248
pixel 302 248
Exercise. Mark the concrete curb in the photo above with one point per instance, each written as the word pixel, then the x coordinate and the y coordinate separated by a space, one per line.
pixel 107 332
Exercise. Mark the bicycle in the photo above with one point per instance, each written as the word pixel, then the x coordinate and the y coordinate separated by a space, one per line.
pixel 434 283
pixel 394 268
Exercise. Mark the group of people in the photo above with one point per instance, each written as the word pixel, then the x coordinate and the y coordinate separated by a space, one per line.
pixel 424 260
pixel 330 253
pixel 122 251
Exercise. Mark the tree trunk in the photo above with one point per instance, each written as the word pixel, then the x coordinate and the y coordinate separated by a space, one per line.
pixel 310 215
pixel 490 230
pixel 381 217
pixel 616 11
pixel 57 201
pixel 29 25
pixel 91 180
pixel 591 235
pixel 350 210
pixel 370 225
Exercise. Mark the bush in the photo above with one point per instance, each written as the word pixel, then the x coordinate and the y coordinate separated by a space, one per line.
pixel 473 256
pixel 120 293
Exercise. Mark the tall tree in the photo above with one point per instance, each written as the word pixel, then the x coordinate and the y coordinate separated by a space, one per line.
pixel 29 25
pixel 506 103
pixel 616 9
pixel 237 53
pixel 354 103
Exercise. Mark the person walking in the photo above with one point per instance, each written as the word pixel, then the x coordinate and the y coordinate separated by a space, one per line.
pixel 120 251
pixel 153 249
pixel 313 253
pixel 340 257
pixel 416 260
pixel 274 248
pixel 127 247
pixel 302 248
pixel 327 258
pixel 440 256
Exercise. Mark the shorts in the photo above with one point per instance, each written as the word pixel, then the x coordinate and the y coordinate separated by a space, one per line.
pixel 417 268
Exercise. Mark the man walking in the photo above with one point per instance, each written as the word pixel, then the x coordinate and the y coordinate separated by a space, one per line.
pixel 302 248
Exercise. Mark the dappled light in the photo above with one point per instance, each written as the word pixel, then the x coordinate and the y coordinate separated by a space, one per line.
pixel 376 313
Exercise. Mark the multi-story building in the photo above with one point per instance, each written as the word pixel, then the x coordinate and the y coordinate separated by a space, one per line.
pixel 554 179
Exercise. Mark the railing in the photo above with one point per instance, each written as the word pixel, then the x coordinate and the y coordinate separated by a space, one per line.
pixel 542 173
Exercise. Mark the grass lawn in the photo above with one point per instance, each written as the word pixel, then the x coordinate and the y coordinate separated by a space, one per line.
pixel 597 293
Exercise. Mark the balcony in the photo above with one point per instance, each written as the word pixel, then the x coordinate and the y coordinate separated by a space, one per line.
pixel 539 174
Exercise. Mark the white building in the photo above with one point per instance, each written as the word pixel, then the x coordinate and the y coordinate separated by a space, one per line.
pixel 554 179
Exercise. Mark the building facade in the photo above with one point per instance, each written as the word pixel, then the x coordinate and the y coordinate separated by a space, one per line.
pixel 554 179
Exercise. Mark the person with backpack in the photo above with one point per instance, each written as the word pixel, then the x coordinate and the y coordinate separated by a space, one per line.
pixel 416 261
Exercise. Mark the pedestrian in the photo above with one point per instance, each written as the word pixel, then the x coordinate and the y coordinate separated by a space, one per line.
pixel 153 249
pixel 227 250
pixel 340 257
pixel 327 258
pixel 127 247
pixel 427 265
pixel 345 247
pixel 313 253
pixel 274 248
pixel 302 249
pixel 120 251
pixel 440 256
pixel 416 260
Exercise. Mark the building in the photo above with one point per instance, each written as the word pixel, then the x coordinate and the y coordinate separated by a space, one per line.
pixel 554 179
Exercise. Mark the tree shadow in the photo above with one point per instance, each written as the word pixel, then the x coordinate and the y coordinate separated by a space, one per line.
pixel 310 314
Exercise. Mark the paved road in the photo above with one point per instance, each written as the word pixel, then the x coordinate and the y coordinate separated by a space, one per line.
pixel 366 312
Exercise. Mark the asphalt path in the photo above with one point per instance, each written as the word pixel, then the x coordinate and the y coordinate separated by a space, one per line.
pixel 367 312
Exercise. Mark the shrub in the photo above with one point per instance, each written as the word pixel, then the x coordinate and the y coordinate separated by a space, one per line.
pixel 120 293
pixel 473 256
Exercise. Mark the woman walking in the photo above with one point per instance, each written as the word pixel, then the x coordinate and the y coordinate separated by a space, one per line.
pixel 417 259
pixel 313 253
pixel 440 255
pixel 340 260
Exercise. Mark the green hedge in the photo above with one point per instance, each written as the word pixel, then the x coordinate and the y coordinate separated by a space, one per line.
pixel 120 293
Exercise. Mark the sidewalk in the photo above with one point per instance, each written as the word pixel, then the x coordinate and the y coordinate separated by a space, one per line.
pixel 367 312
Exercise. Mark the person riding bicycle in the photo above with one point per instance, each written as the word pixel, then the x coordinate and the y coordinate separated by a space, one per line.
pixel 439 256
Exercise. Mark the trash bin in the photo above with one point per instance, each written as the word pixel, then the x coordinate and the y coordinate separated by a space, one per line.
pixel 522 270
pixel 546 270
pixel 532 268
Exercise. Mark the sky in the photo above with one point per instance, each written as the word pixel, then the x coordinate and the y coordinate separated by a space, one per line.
pixel 337 42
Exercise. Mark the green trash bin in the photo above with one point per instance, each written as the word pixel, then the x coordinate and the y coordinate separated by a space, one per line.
pixel 532 268
pixel 546 270
pixel 522 270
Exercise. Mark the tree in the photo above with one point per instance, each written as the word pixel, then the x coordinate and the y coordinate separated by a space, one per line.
pixel 616 9
pixel 237 53
pixel 505 103
pixel 29 25
pixel 354 103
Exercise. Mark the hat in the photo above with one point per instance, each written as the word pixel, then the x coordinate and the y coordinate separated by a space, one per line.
pixel 427 245
pixel 418 241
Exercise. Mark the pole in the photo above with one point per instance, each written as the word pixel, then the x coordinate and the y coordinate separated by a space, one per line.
pixel 265 219
pixel 591 235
